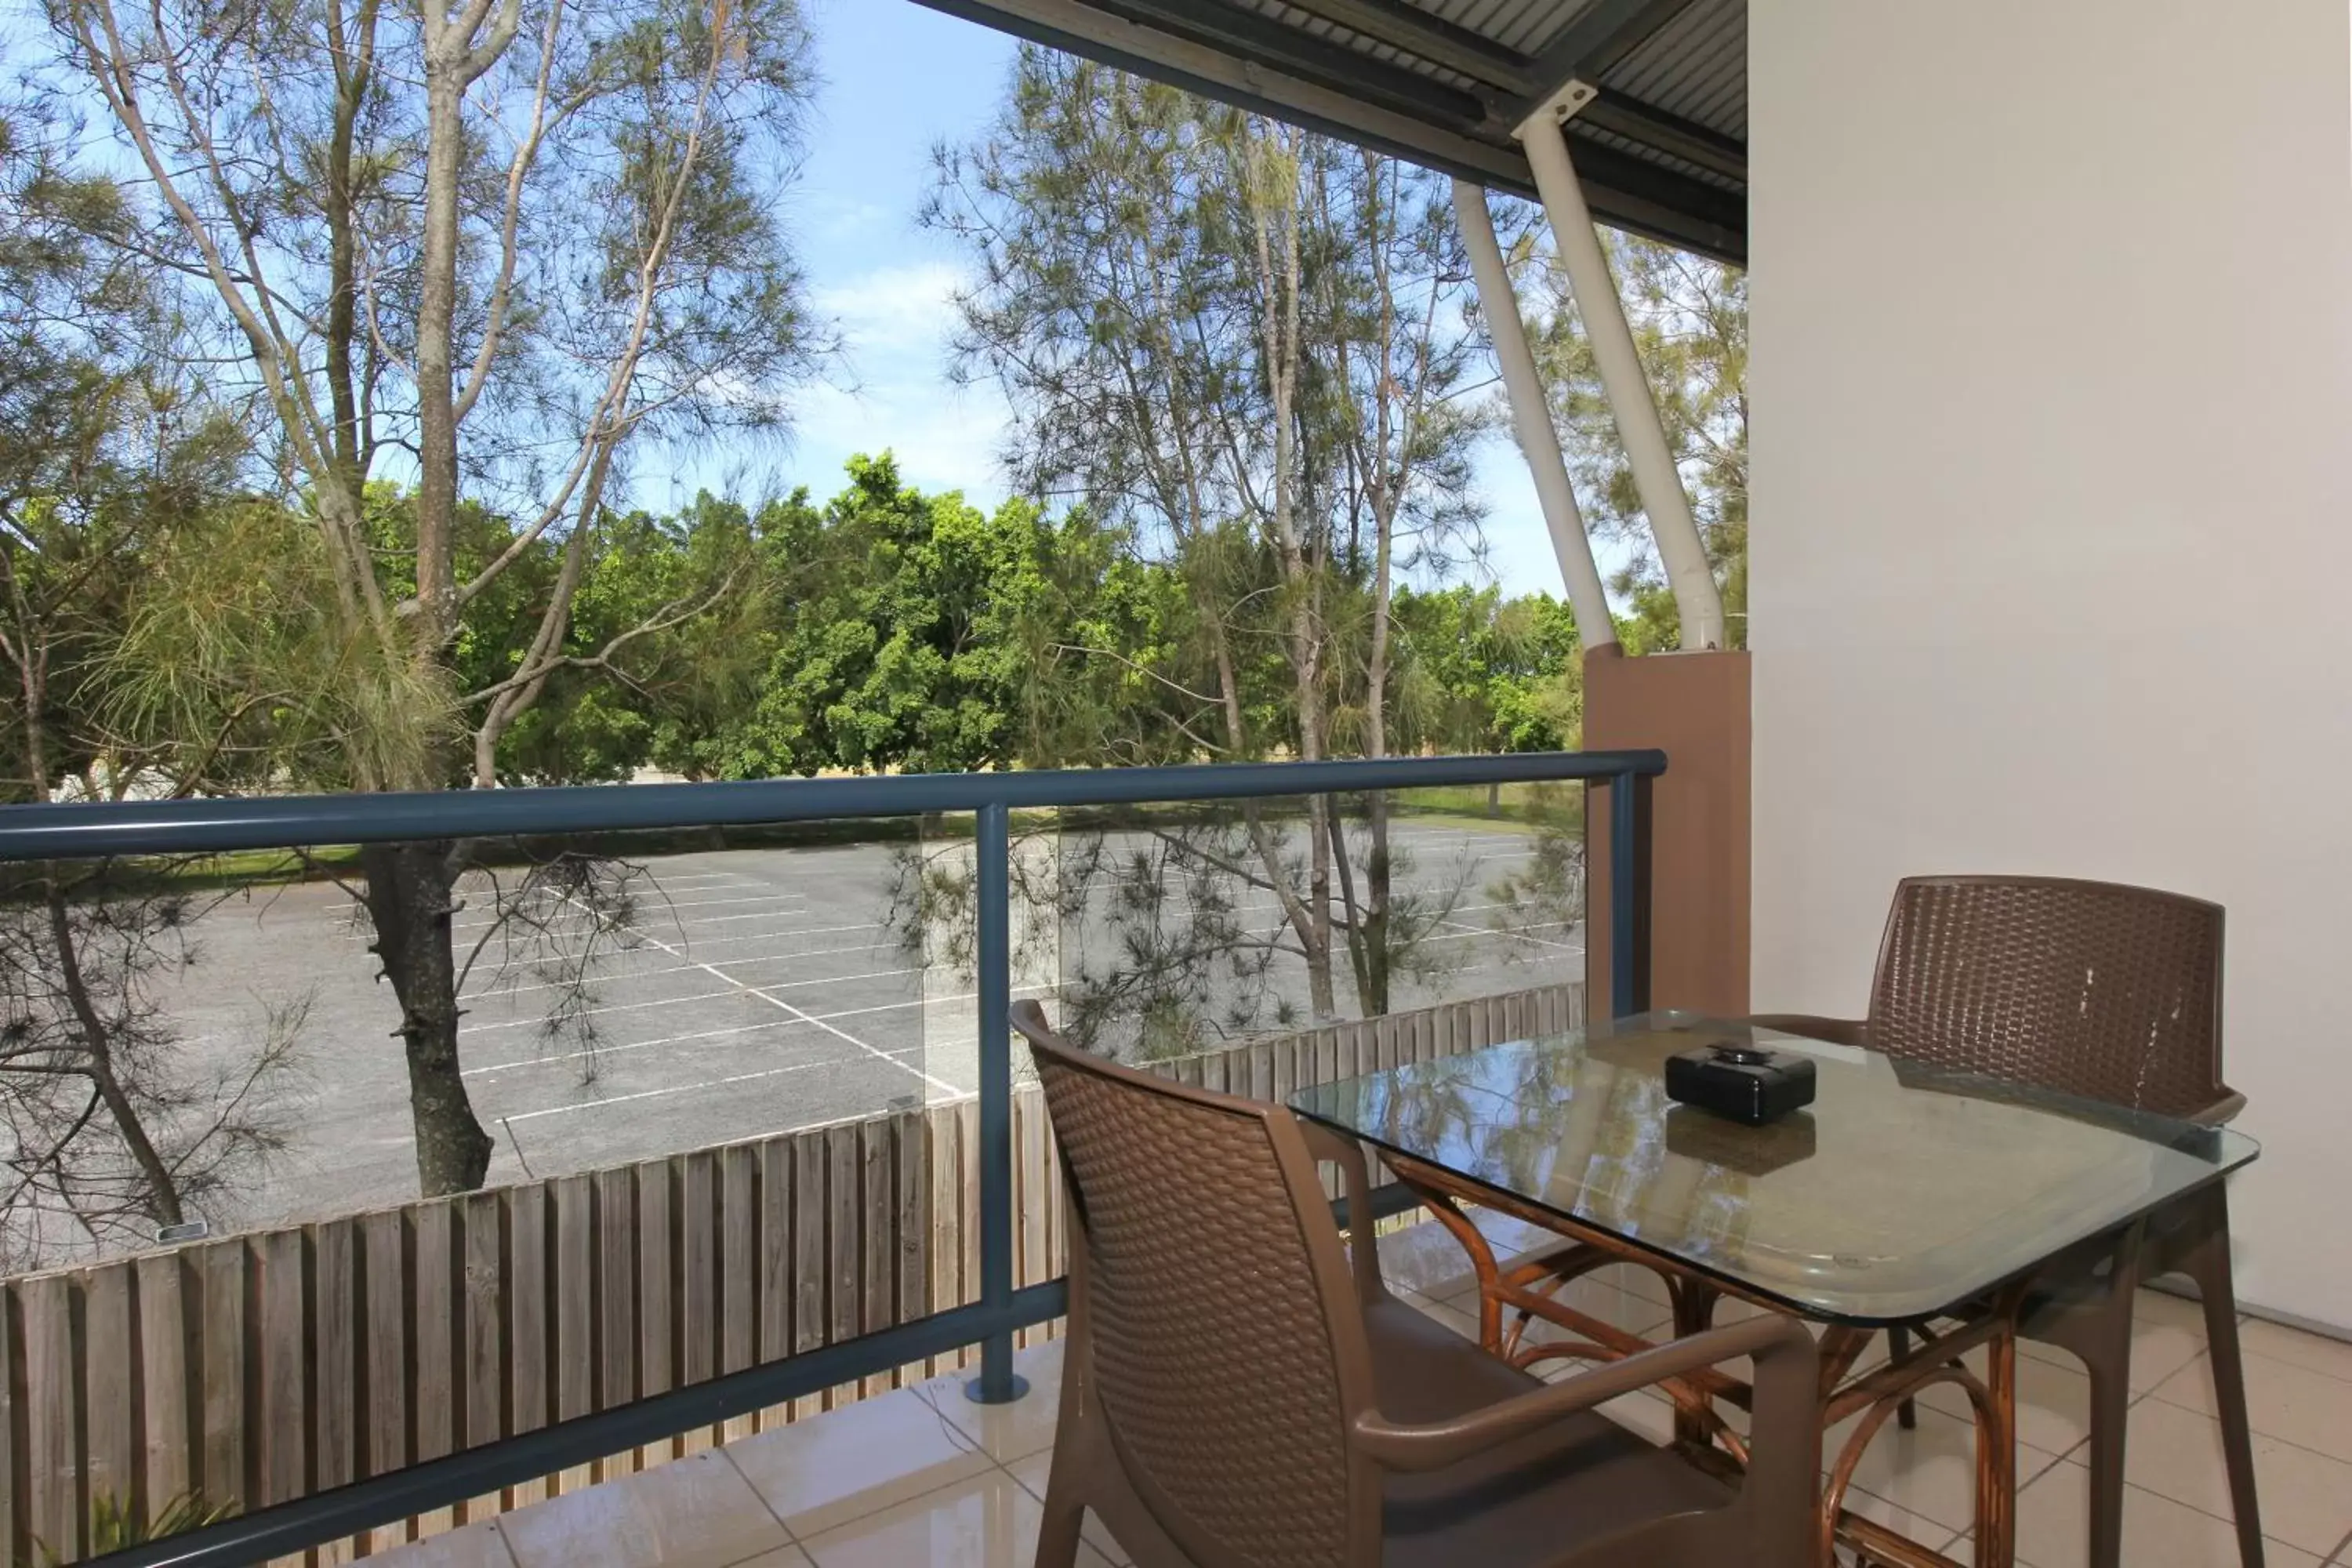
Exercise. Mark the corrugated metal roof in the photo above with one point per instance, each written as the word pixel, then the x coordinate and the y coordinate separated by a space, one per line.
pixel 1444 82
pixel 1694 67
pixel 1594 135
pixel 1318 27
pixel 1529 26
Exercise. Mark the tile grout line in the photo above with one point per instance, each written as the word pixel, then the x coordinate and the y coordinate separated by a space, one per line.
pixel 963 1440
pixel 789 1538
pixel 2149 1394
pixel 2138 1399
pixel 2049 1466
pixel 2343 1551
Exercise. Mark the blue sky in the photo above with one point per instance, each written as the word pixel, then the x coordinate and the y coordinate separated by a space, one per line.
pixel 899 78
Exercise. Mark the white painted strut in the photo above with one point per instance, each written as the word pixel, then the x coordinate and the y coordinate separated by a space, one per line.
pixel 1531 420
pixel 1639 428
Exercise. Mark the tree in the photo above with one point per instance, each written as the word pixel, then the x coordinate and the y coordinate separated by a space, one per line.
pixel 1689 318
pixel 1243 346
pixel 1488 674
pixel 494 247
pixel 666 625
pixel 911 629
pixel 109 1132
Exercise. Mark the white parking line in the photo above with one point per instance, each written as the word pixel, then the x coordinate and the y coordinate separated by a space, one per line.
pixel 590 1012
pixel 693 968
pixel 1518 933
pixel 765 915
pixel 703 944
pixel 813 953
pixel 354 931
pixel 713 1083
pixel 489 1067
pixel 349 909
pixel 779 1003
pixel 602 1052
pixel 706 903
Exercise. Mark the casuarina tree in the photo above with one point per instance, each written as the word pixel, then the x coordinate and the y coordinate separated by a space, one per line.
pixel 483 252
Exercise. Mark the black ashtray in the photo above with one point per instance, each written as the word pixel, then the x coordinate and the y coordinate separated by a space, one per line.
pixel 1741 1081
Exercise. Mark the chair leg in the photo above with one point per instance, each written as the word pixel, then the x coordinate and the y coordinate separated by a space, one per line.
pixel 2110 1415
pixel 1898 1345
pixel 1066 1513
pixel 2208 1263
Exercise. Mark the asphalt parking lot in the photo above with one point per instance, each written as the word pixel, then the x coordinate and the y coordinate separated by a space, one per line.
pixel 764 989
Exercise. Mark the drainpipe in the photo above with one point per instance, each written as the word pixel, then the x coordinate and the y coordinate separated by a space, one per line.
pixel 1531 421
pixel 1639 428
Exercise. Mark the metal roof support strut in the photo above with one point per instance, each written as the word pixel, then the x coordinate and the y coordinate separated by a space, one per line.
pixel 1531 420
pixel 1643 433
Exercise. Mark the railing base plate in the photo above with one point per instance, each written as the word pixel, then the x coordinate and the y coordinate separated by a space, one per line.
pixel 977 1391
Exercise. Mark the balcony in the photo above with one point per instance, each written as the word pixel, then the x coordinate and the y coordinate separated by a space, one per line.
pixel 921 1475
pixel 719 1295
pixel 803 1169
pixel 723 1345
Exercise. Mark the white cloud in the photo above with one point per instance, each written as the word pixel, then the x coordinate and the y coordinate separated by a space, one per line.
pixel 832 220
pixel 892 391
pixel 894 309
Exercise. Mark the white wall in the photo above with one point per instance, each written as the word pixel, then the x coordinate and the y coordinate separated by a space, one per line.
pixel 2052 476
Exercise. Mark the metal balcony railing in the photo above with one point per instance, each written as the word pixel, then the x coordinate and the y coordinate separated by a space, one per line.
pixel 80 831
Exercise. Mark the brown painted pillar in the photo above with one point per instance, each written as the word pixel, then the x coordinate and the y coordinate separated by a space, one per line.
pixel 1695 707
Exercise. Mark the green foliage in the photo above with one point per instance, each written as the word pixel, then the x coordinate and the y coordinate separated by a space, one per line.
pixel 234 671
pixel 1488 674
pixel 104 453
pixel 1689 318
pixel 115 1523
pixel 913 630
pixel 1243 348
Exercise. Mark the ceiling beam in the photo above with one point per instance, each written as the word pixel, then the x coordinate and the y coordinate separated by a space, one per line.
pixel 1431 39
pixel 1670 133
pixel 1634 194
pixel 1294 51
pixel 1605 34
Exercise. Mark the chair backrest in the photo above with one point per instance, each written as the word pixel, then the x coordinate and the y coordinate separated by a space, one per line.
pixel 2097 989
pixel 1210 1298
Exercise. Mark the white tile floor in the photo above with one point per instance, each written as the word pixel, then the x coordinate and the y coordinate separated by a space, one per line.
pixel 924 1476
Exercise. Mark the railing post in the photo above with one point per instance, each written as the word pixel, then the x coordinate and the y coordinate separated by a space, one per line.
pixel 991 877
pixel 1629 894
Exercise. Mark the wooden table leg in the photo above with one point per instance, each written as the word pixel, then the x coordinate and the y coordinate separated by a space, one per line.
pixel 1482 1261
pixel 1997 1450
pixel 1873 1397
pixel 1695 1303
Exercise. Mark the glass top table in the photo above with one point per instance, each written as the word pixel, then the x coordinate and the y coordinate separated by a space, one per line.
pixel 1901 1192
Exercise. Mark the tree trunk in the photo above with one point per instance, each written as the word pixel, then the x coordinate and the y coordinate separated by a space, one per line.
pixel 436 406
pixel 408 899
pixel 163 1204
pixel 1376 911
pixel 1321 996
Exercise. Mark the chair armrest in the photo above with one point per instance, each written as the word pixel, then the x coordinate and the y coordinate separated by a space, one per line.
pixel 2222 1110
pixel 1786 1369
pixel 1363 1245
pixel 1837 1031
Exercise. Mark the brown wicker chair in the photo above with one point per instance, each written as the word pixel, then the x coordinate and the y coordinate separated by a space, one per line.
pixel 2109 992
pixel 1232 1395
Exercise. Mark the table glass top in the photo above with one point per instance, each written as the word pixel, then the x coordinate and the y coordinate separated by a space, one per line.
pixel 1901 1191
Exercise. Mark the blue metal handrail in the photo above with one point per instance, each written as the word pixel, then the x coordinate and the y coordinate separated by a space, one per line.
pixel 85 831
